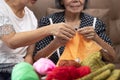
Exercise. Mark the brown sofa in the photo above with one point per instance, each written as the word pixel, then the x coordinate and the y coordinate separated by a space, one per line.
pixel 107 10
pixel 113 26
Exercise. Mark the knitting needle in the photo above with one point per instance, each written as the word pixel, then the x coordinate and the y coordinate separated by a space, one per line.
pixel 58 53
pixel 94 22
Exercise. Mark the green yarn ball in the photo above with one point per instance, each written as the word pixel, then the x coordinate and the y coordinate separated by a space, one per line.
pixel 24 71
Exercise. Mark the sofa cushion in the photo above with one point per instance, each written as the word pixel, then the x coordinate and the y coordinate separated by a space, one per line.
pixel 114 34
pixel 114 31
pixel 113 5
pixel 41 6
pixel 117 58
pixel 53 10
pixel 99 4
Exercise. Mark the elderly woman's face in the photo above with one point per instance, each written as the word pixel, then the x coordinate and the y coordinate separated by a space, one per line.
pixel 73 6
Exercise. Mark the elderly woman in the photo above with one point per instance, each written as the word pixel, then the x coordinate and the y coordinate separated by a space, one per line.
pixel 18 30
pixel 73 16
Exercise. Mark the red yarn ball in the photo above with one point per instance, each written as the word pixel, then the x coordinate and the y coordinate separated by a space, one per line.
pixel 68 73
pixel 83 71
pixel 59 73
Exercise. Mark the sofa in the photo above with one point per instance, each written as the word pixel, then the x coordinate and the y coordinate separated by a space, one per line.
pixel 106 10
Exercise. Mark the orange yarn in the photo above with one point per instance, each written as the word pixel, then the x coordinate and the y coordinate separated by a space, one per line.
pixel 79 47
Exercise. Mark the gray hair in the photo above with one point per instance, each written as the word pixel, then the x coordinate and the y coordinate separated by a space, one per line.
pixel 60 6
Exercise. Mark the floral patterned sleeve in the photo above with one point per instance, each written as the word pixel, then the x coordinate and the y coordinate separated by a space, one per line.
pixel 5 26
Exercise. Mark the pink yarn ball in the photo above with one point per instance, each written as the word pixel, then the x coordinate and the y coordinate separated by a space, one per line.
pixel 43 66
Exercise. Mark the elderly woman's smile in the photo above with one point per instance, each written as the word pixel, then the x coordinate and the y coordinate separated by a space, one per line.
pixel 75 4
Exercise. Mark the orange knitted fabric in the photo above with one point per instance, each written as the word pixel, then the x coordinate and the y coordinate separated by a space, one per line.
pixel 79 47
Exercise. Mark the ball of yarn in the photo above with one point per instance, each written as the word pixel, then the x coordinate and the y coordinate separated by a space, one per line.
pixel 59 73
pixel 83 71
pixel 69 63
pixel 24 71
pixel 44 66
pixel 68 73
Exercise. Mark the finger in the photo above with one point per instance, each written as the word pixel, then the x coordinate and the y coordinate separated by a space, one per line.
pixel 68 32
pixel 63 36
pixel 89 37
pixel 89 34
pixel 69 35
pixel 70 28
pixel 64 41
pixel 86 32
pixel 86 28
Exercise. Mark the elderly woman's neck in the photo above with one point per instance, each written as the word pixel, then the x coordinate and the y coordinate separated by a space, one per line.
pixel 73 20
pixel 16 7
pixel 72 17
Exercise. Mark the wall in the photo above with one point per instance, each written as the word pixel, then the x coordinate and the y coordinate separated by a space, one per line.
pixel 41 6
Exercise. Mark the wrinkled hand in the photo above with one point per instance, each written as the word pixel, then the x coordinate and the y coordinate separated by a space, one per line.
pixel 60 41
pixel 63 31
pixel 88 32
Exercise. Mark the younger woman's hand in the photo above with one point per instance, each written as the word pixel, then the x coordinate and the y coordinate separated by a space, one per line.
pixel 60 41
pixel 62 30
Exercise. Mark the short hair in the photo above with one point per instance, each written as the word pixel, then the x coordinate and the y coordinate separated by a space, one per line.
pixel 60 6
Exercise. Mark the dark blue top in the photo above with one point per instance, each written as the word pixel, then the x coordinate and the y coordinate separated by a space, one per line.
pixel 86 20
